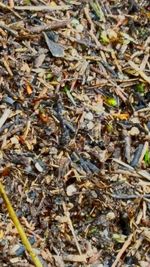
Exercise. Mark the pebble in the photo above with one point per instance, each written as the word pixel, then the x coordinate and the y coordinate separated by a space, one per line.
pixel 71 190
pixel 134 131
pixel 110 216
pixel 90 125
pixel 89 116
pixel 8 100
pixel 79 28
pixel 38 167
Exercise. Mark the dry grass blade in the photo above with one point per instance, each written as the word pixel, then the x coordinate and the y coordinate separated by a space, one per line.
pixel 21 231
pixel 92 28
pixel 71 227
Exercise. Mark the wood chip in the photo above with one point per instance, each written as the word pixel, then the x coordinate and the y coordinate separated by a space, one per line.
pixel 4 117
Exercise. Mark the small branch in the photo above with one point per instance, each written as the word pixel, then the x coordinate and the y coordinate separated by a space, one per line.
pixel 10 9
pixel 8 29
pixel 130 196
pixel 51 26
pixel 71 227
pixel 122 250
pixel 42 8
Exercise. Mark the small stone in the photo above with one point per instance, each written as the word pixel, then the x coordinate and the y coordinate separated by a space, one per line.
pixel 71 190
pixel 110 216
pixel 48 179
pixel 38 167
pixel 75 23
pixel 14 249
pixel 89 116
pixel 135 120
pixel 94 194
pixel 14 140
pixel 9 100
pixel 134 131
pixel 90 125
pixel 79 28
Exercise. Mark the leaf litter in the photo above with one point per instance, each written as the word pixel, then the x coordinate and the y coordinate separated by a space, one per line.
pixel 75 131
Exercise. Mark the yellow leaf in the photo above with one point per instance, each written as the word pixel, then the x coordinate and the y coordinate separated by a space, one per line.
pixel 1 234
pixel 29 89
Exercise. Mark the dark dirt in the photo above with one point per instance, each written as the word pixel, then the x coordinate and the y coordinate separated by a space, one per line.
pixel 75 131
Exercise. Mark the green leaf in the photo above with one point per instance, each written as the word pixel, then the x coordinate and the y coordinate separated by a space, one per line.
pixel 140 87
pixel 49 76
pixel 110 127
pixel 119 238
pixel 67 91
pixel 98 11
pixel 27 2
pixel 104 38
pixel 111 101
pixel 147 158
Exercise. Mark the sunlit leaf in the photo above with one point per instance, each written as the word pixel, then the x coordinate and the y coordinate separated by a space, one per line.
pixel 147 158
pixel 111 101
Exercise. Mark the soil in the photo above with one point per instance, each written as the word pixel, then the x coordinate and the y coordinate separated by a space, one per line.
pixel 75 132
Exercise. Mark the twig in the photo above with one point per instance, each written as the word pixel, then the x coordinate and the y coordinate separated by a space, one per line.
pixel 127 148
pixel 139 71
pixel 98 71
pixel 118 91
pixel 8 29
pixel 144 174
pixel 71 227
pixel 20 229
pixel 126 173
pixel 123 249
pixel 130 196
pixel 87 44
pixel 143 109
pixel 42 8
pixel 123 164
pixel 92 28
pixel 11 10
pixel 6 65
pixel 135 161
pixel 51 26
pixel 75 258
